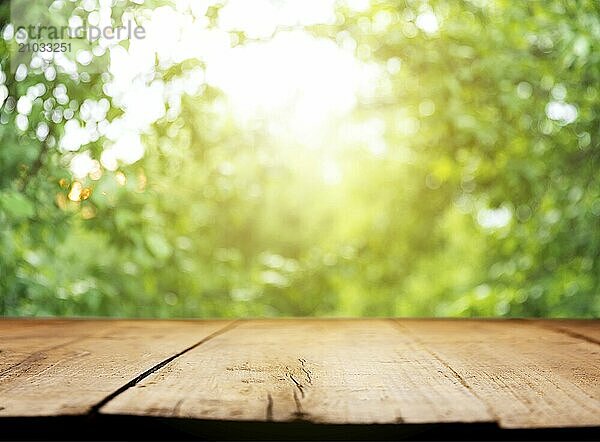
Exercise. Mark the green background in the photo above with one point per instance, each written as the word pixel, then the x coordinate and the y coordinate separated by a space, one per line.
pixel 176 234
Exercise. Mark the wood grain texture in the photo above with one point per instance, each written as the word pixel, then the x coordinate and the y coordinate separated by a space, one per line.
pixel 65 367
pixel 375 371
pixel 518 373
pixel 528 375
pixel 340 371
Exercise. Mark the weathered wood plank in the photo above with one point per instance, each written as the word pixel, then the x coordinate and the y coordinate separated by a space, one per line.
pixel 58 367
pixel 336 371
pixel 528 375
pixel 522 374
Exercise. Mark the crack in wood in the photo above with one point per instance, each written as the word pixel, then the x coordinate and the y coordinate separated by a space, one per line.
pixel 297 384
pixel 306 371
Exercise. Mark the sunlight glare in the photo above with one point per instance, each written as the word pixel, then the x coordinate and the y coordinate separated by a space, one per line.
pixel 296 85
pixel 297 82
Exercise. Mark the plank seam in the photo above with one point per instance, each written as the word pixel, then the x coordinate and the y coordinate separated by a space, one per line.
pixel 456 375
pixel 568 332
pixel 95 409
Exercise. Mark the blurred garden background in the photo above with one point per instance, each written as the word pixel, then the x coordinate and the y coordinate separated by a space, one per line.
pixel 313 158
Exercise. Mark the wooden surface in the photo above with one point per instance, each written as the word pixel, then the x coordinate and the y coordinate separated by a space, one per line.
pixel 57 367
pixel 517 373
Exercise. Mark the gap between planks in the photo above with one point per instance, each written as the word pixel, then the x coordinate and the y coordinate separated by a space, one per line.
pixel 566 330
pixel 95 408
pixel 529 390
pixel 320 371
pixel 541 386
pixel 445 363
pixel 52 367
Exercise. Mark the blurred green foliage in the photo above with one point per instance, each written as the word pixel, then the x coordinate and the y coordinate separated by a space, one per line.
pixel 486 203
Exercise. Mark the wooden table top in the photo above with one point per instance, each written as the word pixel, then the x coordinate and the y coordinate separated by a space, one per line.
pixel 516 374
